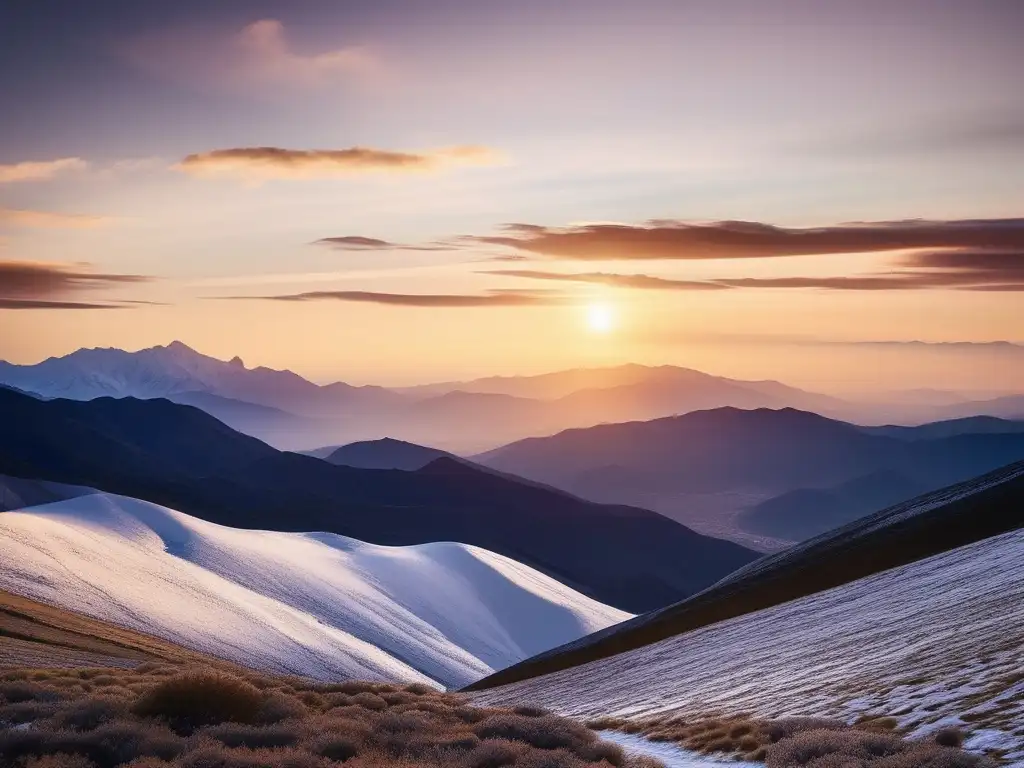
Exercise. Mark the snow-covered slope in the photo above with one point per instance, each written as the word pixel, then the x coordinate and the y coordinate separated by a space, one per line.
pixel 316 604
pixel 178 370
pixel 933 643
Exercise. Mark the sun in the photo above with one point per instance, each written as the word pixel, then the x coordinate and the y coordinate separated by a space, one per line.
pixel 600 318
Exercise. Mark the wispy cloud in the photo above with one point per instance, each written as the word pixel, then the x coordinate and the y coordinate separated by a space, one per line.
pixel 262 163
pixel 258 58
pixel 671 239
pixel 956 269
pixel 360 243
pixel 42 304
pixel 44 285
pixel 39 170
pixel 496 298
pixel 14 217
pixel 606 278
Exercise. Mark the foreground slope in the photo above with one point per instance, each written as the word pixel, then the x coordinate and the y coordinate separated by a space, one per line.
pixel 933 643
pixel 38 635
pixel 938 522
pixel 182 458
pixel 316 604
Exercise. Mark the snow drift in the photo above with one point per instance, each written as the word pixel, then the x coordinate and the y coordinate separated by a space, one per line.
pixel 316 604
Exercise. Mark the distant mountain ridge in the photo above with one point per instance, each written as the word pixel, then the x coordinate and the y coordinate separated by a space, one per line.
pixel 176 369
pixel 811 473
pixel 180 457
pixel 467 417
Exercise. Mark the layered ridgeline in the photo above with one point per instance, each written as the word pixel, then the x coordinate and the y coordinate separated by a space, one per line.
pixel 785 474
pixel 915 613
pixel 293 413
pixel 182 458
pixel 314 604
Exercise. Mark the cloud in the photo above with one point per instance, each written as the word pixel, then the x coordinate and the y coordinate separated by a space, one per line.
pixel 40 304
pixel 360 243
pixel 357 243
pixel 42 285
pixel 263 53
pixel 619 281
pixel 13 217
pixel 672 239
pixel 497 298
pixel 261 163
pixel 39 170
pixel 1007 263
pixel 509 257
pixel 257 58
pixel 962 269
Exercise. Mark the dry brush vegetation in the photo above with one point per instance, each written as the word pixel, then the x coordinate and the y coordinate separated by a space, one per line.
pixel 803 742
pixel 157 716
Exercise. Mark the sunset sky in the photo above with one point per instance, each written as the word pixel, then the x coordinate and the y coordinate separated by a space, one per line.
pixel 400 191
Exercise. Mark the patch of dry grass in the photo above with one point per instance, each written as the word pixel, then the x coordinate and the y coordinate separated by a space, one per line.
pixel 168 716
pixel 797 742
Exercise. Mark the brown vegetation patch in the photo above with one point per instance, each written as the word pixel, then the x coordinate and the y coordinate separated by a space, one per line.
pixel 161 715
pixel 796 742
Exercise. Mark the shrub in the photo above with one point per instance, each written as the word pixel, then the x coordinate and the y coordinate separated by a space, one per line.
pixel 196 699
pixel 645 761
pixel 949 737
pixel 277 707
pixel 542 732
pixel 336 748
pixel 420 689
pixel 790 726
pixel 26 712
pixel 370 701
pixel 740 729
pixel 253 737
pixel 60 760
pixel 107 746
pixel 349 686
pixel 494 753
pixel 528 710
pixel 17 692
pixel 597 751
pixel 558 758
pixel 221 757
pixel 88 714
pixel 807 747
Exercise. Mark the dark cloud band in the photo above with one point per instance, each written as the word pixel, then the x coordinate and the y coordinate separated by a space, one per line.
pixel 497 298
pixel 40 285
pixel 745 239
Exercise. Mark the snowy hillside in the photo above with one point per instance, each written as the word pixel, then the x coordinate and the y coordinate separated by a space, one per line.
pixel 316 604
pixel 932 643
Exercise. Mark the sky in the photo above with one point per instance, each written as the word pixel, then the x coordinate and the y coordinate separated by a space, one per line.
pixel 398 191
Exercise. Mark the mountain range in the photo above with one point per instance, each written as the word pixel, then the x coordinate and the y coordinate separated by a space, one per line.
pixel 182 458
pixel 789 474
pixel 290 412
